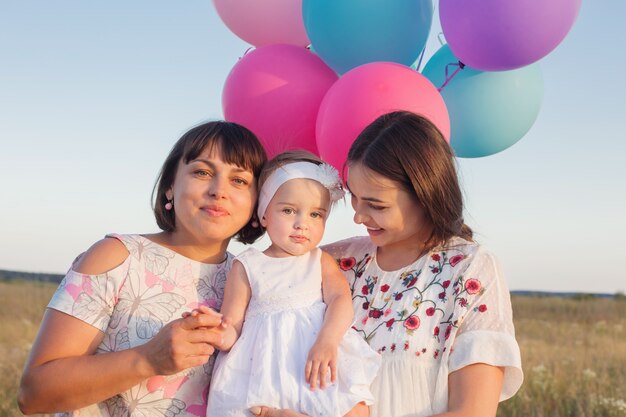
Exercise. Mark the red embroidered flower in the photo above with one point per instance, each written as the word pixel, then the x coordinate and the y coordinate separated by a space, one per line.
pixel 412 282
pixel 463 302
pixel 398 296
pixel 442 295
pixel 435 257
pixel 436 332
pixel 456 259
pixel 347 263
pixel 472 286
pixel 366 305
pixel 435 270
pixel 393 347
pixel 436 354
pixel 430 311
pixel 446 284
pixel 365 290
pixel 390 322
pixel 384 288
pixel 375 313
pixel 482 308
pixel 448 330
pixel 406 345
pixel 387 312
pixel 412 323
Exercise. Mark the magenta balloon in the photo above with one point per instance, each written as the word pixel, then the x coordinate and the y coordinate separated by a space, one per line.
pixel 264 22
pixel 369 91
pixel 276 92
pixel 499 35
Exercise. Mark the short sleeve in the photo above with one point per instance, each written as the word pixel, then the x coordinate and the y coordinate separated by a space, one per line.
pixel 90 298
pixel 486 333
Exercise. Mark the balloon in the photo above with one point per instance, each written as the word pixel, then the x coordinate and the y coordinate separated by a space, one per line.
pixel 348 33
pixel 498 35
pixel 365 93
pixel 264 22
pixel 276 91
pixel 489 111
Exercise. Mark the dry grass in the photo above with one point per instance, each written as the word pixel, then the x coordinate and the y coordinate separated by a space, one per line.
pixel 574 358
pixel 574 352
pixel 21 308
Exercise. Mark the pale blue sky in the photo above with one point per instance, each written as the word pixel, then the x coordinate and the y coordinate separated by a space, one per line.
pixel 93 94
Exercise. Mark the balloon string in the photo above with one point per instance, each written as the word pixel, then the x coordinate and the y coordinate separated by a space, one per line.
pixel 460 66
pixel 247 51
pixel 419 63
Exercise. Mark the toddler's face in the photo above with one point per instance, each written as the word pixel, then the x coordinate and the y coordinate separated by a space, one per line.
pixel 296 216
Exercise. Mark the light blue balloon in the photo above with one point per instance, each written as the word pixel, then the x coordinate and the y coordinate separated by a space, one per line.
pixel 349 33
pixel 489 111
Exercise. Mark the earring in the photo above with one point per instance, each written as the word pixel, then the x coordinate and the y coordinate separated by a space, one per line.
pixel 254 224
pixel 169 205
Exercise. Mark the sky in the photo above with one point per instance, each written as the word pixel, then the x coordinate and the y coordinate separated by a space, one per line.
pixel 93 94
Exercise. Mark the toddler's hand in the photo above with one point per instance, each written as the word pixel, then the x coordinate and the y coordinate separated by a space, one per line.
pixel 322 356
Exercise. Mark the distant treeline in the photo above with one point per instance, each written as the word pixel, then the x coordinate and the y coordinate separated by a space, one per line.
pixel 29 276
pixel 56 278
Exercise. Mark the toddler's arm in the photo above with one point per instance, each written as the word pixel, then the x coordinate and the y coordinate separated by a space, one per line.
pixel 236 297
pixel 337 320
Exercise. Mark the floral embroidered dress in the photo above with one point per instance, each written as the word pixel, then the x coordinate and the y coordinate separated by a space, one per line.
pixel 448 309
pixel 130 304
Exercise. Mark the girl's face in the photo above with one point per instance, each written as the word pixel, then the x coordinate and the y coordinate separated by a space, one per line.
pixel 295 217
pixel 393 217
pixel 213 199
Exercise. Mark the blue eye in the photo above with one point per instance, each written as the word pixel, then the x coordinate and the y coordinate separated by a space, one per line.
pixel 288 210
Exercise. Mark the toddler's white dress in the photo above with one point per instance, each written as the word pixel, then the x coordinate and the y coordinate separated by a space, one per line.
pixel 266 364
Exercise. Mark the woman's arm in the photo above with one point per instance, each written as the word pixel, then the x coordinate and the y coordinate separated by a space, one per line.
pixel 337 320
pixel 62 372
pixel 237 295
pixel 474 391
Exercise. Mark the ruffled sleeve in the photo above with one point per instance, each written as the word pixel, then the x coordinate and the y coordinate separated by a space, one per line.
pixel 486 333
pixel 90 298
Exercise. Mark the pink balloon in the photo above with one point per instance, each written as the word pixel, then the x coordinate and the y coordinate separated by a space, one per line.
pixel 264 22
pixel 499 35
pixel 276 91
pixel 365 93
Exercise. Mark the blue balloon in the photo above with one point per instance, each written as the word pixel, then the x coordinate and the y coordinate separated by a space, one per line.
pixel 349 33
pixel 489 111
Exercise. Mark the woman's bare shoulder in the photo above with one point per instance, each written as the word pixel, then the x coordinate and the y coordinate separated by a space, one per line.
pixel 101 257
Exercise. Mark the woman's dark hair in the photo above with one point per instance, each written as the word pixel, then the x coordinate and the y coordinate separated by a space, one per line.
pixel 410 150
pixel 237 146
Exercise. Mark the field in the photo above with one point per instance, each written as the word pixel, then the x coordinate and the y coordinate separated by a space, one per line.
pixel 574 352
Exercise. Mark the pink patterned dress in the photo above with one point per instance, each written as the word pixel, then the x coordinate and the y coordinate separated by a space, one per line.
pixel 448 309
pixel 130 304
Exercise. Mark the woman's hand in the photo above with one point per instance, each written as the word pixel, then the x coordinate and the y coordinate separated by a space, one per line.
pixel 183 343
pixel 322 356
pixel 262 411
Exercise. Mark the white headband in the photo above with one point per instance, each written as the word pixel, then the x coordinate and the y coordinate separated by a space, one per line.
pixel 324 174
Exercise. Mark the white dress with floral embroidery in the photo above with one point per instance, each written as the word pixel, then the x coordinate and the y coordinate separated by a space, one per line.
pixel 130 304
pixel 449 309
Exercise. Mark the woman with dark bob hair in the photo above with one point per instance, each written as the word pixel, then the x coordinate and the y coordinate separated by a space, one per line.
pixel 111 342
pixel 425 295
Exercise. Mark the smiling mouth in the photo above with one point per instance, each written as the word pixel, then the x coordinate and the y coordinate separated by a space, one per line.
pixel 299 238
pixel 215 211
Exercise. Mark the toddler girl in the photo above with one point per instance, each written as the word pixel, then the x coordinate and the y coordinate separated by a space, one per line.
pixel 296 305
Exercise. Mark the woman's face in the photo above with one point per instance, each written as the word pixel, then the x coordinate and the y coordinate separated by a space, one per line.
pixel 213 199
pixel 392 215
